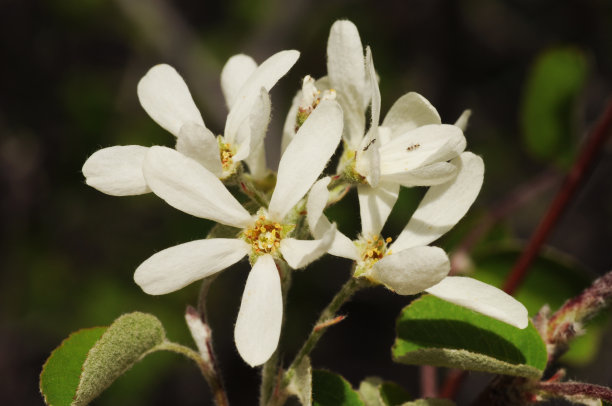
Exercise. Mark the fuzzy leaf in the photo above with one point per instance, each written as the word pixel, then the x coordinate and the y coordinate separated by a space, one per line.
pixel 548 115
pixel 330 389
pixel 60 375
pixel 90 360
pixel 376 392
pixel 431 331
pixel 301 383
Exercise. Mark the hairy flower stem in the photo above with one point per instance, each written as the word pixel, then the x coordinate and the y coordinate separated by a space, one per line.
pixel 206 369
pixel 321 326
pixel 248 187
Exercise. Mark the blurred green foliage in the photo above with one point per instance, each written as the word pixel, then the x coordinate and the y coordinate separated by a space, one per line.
pixel 550 108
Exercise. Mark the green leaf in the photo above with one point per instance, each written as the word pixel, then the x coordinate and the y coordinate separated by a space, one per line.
pixel 90 360
pixel 330 389
pixel 551 269
pixel 60 374
pixel 431 331
pixel 376 392
pixel 548 115
pixel 301 382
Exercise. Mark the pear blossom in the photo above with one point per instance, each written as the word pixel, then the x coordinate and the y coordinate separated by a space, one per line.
pixel 166 98
pixel 265 238
pixel 409 265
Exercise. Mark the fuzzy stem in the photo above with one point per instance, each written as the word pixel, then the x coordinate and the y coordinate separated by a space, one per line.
pixel 321 326
pixel 571 389
pixel 206 369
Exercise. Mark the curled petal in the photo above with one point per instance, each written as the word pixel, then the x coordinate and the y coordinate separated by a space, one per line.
pixel 422 146
pixel 259 120
pixel 433 174
pixel 409 112
pixel 266 76
pixel 462 121
pixel 261 313
pixel 117 170
pixel 235 73
pixel 411 271
pixel 444 205
pixel 346 69
pixel 165 97
pixel 176 267
pixel 482 298
pixel 188 186
pixel 200 144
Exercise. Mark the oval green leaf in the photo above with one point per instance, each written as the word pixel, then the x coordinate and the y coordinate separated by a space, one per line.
pixel 431 331
pixel 60 374
pixel 330 389
pixel 90 360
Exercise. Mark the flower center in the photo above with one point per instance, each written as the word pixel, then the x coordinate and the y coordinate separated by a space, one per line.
pixel 371 251
pixel 311 97
pixel 225 150
pixel 264 236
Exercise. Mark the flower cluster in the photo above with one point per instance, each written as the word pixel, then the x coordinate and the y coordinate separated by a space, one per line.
pixel 287 229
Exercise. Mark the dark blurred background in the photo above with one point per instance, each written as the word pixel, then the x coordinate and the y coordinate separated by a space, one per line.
pixel 536 74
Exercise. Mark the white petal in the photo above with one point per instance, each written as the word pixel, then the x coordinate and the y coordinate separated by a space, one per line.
pixel 261 313
pixel 410 271
pixel 299 253
pixel 165 97
pixel 421 146
pixel 260 117
pixel 200 144
pixel 409 112
pixel 342 246
pixel 176 267
pixel 368 157
pixel 462 121
pixel 375 205
pixel 482 298
pixel 433 174
pixel 188 186
pixel 306 157
pixel 289 126
pixel 346 70
pixel 444 205
pixel 117 170
pixel 373 81
pixel 235 73
pixel 266 76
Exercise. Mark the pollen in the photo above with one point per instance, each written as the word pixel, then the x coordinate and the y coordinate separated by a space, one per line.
pixel 373 249
pixel 226 153
pixel 264 236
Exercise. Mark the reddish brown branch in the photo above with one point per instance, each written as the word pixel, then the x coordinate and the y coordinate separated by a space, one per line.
pixel 562 389
pixel 574 178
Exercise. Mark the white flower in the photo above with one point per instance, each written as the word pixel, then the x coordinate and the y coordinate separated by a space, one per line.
pixel 165 97
pixel 408 265
pixel 189 187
